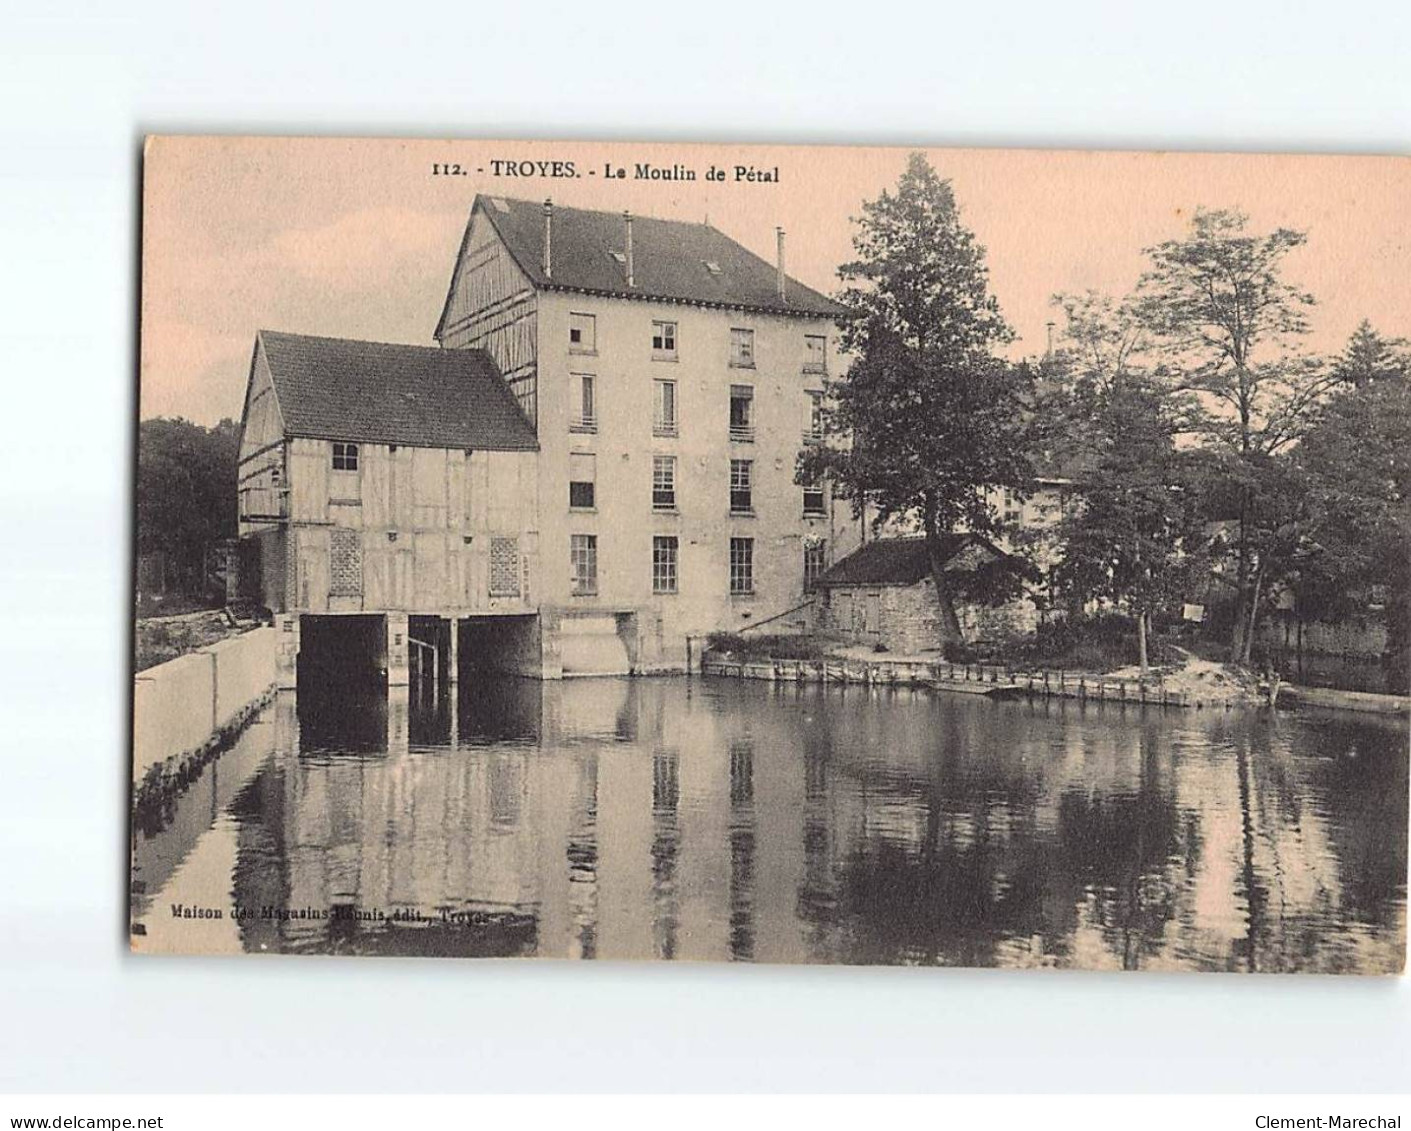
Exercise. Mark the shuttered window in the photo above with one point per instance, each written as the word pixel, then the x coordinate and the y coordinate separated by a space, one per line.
pixel 504 567
pixel 345 563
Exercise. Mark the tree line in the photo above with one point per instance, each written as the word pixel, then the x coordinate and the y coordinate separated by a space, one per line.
pixel 1204 437
pixel 186 495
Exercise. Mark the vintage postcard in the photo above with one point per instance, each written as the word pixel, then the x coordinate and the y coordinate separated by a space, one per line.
pixel 787 555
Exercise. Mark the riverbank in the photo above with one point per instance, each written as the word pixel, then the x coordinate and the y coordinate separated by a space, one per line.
pixel 1194 683
pixel 163 638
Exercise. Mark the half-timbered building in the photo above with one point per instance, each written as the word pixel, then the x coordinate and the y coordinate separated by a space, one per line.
pixel 387 492
pixel 594 471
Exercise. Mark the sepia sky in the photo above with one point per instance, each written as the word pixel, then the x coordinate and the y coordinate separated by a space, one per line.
pixel 356 237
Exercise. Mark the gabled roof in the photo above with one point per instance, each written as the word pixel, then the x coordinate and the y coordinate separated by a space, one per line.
pixel 379 393
pixel 672 260
pixel 898 561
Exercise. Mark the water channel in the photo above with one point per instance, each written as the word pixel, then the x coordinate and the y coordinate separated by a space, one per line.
pixel 732 820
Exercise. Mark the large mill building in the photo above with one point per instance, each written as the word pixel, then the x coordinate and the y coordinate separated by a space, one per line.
pixel 594 470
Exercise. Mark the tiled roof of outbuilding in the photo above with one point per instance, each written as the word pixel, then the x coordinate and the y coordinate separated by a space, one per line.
pixel 672 260
pixel 380 393
pixel 895 561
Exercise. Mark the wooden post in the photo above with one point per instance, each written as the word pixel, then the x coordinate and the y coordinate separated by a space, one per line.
pixel 398 673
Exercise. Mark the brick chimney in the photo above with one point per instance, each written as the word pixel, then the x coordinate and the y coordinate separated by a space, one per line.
pixel 627 220
pixel 783 279
pixel 548 238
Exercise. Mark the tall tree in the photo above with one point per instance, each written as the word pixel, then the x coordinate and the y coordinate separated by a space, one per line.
pixel 1368 357
pixel 928 416
pixel 1229 325
pixel 1135 536
pixel 1358 484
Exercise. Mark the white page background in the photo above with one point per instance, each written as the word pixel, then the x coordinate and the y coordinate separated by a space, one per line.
pixel 80 84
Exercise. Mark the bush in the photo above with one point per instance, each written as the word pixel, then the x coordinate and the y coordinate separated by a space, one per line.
pixel 764 647
pixel 1097 643
pixel 958 652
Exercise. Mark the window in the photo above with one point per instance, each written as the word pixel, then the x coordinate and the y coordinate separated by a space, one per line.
pixel 664 564
pixel 1012 504
pixel 345 457
pixel 741 495
pixel 583 555
pixel 664 412
pixel 582 333
pixel 664 340
pixel 663 483
pixel 586 419
pixel 742 349
pixel 582 480
pixel 815 561
pixel 504 567
pixel 742 412
pixel 815 358
pixel 741 565
pixel 814 501
pixel 814 432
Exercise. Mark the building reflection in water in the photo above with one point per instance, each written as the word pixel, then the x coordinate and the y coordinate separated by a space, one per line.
pixel 675 819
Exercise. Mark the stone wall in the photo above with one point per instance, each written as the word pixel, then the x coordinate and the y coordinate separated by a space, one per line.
pixel 179 706
pixel 243 669
pixel 998 622
pixel 907 620
pixel 1350 638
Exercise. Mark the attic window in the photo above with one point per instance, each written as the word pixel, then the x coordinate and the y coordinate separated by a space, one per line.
pixel 582 333
pixel 712 266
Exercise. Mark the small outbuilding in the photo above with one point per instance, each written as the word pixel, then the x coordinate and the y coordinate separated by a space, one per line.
pixel 883 594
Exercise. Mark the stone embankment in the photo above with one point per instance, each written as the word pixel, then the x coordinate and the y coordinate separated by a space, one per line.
pixel 187 709
pixel 1196 684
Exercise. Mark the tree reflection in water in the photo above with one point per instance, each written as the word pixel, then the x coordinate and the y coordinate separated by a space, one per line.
pixel 724 820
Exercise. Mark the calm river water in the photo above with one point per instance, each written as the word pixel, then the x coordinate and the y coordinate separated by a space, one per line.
pixel 715 819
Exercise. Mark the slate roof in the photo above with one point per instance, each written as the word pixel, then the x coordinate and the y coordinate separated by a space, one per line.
pixel 669 259
pixel 895 561
pixel 379 393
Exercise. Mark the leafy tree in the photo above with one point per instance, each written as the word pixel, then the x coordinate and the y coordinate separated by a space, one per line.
pixel 186 493
pixel 1358 484
pixel 1135 536
pixel 1229 326
pixel 927 415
